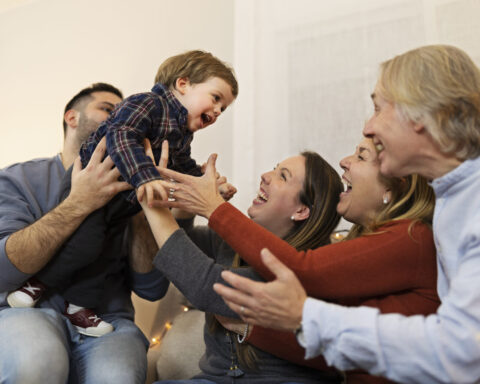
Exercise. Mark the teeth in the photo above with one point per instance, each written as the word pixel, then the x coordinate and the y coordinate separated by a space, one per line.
pixel 379 147
pixel 347 184
pixel 262 196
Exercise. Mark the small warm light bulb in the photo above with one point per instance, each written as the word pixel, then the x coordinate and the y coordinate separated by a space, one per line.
pixel 154 340
pixel 168 325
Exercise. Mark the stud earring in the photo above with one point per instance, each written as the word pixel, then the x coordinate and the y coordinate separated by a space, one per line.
pixel 385 199
pixel 292 218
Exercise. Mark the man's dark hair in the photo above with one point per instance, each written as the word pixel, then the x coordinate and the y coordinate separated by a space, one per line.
pixel 85 95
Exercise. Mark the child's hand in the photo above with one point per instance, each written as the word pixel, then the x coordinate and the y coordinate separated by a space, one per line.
pixel 153 190
pixel 227 190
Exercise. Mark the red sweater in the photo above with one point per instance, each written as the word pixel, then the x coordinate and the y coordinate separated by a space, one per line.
pixel 393 270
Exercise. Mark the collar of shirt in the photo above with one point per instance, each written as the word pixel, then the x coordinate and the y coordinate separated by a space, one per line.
pixel 452 178
pixel 179 110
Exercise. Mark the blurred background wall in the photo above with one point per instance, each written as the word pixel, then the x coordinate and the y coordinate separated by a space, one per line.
pixel 306 68
pixel 50 49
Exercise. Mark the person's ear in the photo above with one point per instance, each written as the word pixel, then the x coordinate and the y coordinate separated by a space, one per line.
pixel 182 84
pixel 302 213
pixel 418 127
pixel 71 118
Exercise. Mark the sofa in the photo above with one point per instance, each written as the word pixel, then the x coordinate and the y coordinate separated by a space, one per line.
pixel 175 331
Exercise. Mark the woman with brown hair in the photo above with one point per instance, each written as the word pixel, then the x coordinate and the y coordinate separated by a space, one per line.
pixel 296 201
pixel 388 261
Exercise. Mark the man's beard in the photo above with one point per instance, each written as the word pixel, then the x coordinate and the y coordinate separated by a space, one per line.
pixel 85 127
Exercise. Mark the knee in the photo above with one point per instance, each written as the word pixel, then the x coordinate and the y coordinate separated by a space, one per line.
pixel 117 373
pixel 121 359
pixel 37 351
pixel 41 365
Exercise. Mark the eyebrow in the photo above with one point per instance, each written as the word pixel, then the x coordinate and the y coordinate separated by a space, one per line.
pixel 107 103
pixel 286 170
pixel 363 149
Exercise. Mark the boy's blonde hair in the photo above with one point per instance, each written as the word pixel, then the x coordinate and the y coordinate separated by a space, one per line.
pixel 438 86
pixel 198 66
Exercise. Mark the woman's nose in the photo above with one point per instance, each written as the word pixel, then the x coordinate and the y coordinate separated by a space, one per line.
pixel 266 177
pixel 345 163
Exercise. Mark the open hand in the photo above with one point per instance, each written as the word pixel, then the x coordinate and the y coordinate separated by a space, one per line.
pixel 277 304
pixel 96 184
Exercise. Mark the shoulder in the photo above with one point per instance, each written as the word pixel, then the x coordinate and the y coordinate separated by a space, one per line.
pixel 411 232
pixel 32 167
pixel 143 100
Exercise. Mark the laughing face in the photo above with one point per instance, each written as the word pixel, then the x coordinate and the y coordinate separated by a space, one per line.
pixel 278 197
pixel 364 193
pixel 394 137
pixel 203 101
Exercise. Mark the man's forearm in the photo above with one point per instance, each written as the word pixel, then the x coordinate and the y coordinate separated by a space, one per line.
pixel 31 248
pixel 143 247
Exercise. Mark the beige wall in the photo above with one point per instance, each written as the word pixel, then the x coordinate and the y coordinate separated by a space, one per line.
pixel 50 49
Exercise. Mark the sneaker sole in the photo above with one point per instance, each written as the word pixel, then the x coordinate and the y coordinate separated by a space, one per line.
pixel 92 332
pixel 14 303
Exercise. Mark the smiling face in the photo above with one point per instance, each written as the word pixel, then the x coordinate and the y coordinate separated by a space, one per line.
pixel 396 139
pixel 203 101
pixel 363 197
pixel 278 197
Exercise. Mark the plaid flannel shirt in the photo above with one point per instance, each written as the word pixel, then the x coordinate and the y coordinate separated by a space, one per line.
pixel 156 115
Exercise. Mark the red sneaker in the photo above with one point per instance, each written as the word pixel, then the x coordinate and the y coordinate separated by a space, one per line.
pixel 28 295
pixel 88 323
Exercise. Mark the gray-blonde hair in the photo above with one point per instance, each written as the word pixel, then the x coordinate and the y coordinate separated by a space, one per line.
pixel 439 87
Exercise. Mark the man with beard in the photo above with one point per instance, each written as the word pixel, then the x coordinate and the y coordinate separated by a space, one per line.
pixel 38 343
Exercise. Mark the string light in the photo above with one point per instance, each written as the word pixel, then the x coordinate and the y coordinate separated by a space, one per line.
pixel 337 236
pixel 157 340
pixel 168 325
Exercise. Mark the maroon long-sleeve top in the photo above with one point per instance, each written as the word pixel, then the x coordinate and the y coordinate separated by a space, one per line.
pixel 393 270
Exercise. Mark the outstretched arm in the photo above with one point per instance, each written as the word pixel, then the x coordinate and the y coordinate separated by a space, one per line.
pixel 198 195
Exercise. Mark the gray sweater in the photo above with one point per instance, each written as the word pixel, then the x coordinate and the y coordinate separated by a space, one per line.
pixel 193 263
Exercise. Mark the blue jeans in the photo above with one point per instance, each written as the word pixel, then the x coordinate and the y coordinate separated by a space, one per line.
pixel 38 345
pixel 194 381
pixel 191 381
